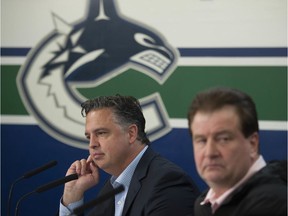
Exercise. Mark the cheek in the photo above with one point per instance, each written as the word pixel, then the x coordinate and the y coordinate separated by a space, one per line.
pixel 235 156
pixel 198 157
pixel 115 148
pixel 109 149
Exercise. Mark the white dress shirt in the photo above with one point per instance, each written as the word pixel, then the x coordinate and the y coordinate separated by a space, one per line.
pixel 124 178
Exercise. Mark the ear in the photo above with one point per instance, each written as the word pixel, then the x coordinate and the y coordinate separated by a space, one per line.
pixel 132 133
pixel 254 144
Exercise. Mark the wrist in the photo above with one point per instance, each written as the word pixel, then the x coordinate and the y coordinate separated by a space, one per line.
pixel 71 196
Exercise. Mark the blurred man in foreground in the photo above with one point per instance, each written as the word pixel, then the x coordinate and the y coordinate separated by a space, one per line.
pixel 224 127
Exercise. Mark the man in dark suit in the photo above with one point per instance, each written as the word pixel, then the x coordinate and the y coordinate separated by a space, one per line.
pixel 115 128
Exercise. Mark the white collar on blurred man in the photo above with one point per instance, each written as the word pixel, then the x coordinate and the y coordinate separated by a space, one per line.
pixel 216 202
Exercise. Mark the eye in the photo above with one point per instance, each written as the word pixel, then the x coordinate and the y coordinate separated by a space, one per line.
pixel 224 138
pixel 199 140
pixel 101 133
pixel 145 40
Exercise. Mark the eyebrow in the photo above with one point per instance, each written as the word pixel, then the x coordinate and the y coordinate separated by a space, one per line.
pixel 223 132
pixel 215 134
pixel 197 136
pixel 96 130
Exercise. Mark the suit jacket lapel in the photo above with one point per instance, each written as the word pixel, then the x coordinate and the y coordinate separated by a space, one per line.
pixel 140 173
pixel 107 208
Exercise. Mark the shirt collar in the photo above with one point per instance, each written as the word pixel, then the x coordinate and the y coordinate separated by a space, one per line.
pixel 125 177
pixel 210 197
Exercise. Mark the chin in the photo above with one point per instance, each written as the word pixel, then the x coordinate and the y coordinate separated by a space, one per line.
pixel 213 177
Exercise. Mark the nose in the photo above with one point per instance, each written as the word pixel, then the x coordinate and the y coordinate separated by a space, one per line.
pixel 93 142
pixel 211 149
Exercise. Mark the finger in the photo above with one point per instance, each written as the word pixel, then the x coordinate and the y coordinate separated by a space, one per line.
pixel 73 168
pixel 94 171
pixel 93 167
pixel 89 159
pixel 83 163
pixel 78 167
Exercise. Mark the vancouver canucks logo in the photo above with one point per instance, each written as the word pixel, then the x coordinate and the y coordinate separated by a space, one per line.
pixel 86 54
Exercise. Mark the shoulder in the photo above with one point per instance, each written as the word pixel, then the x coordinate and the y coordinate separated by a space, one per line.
pixel 267 183
pixel 153 161
pixel 157 170
pixel 264 194
pixel 161 166
pixel 267 199
pixel 272 180
pixel 163 188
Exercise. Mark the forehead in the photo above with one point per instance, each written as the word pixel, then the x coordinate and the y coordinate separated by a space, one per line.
pixel 225 117
pixel 100 115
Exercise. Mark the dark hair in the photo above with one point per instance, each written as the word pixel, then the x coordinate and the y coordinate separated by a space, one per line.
pixel 216 98
pixel 127 110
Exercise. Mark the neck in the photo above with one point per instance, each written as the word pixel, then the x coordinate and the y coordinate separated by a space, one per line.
pixel 132 155
pixel 219 191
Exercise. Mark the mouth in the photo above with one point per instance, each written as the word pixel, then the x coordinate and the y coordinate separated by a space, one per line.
pixel 97 156
pixel 212 166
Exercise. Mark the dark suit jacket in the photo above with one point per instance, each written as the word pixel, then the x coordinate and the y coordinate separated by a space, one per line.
pixel 158 187
pixel 264 194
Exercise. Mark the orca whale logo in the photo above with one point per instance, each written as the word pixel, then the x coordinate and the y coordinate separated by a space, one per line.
pixel 87 54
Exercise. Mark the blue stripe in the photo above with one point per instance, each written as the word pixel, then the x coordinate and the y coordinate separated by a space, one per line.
pixel 14 51
pixel 192 52
pixel 233 52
